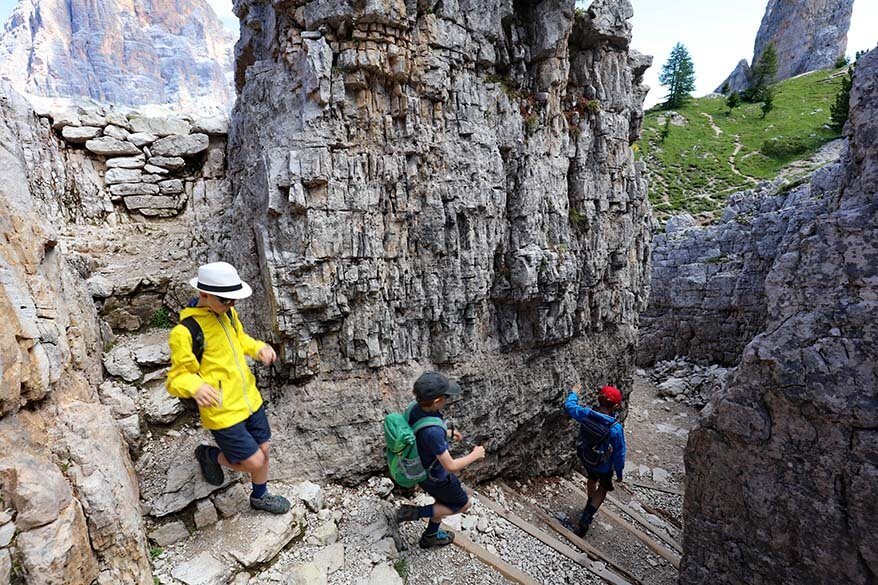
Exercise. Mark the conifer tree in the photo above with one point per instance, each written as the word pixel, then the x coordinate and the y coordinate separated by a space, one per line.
pixel 678 75
pixel 733 101
pixel 762 75
pixel 839 111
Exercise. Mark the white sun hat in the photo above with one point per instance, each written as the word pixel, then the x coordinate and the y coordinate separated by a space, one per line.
pixel 222 280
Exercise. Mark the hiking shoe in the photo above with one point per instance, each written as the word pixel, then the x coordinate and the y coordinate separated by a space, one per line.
pixel 406 513
pixel 441 538
pixel 271 503
pixel 212 472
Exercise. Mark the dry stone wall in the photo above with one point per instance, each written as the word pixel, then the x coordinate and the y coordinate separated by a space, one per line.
pixel 70 498
pixel 437 185
pixel 783 467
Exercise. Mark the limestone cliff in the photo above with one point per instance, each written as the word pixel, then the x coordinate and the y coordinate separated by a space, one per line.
pixel 807 35
pixel 438 185
pixel 119 51
pixel 783 467
pixel 65 472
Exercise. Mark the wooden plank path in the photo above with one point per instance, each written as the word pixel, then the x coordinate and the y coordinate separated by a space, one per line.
pixel 654 546
pixel 557 545
pixel 510 572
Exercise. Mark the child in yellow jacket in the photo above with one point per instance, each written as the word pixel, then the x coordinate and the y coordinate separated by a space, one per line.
pixel 222 384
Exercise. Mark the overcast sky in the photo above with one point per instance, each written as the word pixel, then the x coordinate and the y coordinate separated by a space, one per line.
pixel 718 33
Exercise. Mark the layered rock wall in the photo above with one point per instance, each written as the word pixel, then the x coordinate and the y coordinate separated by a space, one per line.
pixel 65 472
pixel 446 186
pixel 707 294
pixel 783 467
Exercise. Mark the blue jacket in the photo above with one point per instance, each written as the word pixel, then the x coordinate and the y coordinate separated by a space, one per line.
pixel 617 435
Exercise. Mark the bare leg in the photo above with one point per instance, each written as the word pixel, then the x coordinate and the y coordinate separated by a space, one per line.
pixel 256 465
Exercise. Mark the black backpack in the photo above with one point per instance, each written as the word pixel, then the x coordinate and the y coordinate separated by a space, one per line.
pixel 198 349
pixel 593 445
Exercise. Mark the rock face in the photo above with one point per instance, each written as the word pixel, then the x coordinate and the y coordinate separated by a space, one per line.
pixel 807 35
pixel 783 467
pixel 738 80
pixel 449 188
pixel 152 51
pixel 54 434
pixel 707 298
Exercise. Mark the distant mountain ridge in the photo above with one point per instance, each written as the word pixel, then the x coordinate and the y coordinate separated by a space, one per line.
pixel 126 52
pixel 807 35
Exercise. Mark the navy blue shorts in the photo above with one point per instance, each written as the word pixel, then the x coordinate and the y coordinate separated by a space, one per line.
pixel 240 441
pixel 448 492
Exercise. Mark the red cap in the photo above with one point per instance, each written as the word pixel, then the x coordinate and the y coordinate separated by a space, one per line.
pixel 610 394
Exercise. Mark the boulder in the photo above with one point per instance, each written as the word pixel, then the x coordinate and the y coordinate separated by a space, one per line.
pixel 156 354
pixel 205 513
pixel 119 362
pixel 109 146
pixel 79 134
pixel 204 569
pixel 127 162
pixel 144 203
pixel 275 532
pixel 116 132
pixel 310 494
pixel 136 189
pixel 141 139
pixel 232 500
pixel 122 175
pixel 306 574
pixel 160 407
pixel 385 574
pixel 160 126
pixel 331 558
pixel 172 163
pixel 169 533
pixel 180 146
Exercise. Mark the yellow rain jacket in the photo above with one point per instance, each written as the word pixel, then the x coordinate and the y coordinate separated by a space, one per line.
pixel 222 366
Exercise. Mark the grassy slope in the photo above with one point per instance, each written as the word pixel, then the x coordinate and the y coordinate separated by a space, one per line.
pixel 691 170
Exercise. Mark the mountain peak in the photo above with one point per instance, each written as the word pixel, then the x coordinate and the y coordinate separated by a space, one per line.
pixel 120 51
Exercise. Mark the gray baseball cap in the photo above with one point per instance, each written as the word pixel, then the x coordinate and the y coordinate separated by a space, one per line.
pixel 431 385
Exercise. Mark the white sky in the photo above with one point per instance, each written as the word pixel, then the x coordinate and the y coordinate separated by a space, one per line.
pixel 717 33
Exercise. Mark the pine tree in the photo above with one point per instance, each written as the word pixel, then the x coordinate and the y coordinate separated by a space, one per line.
pixel 767 100
pixel 733 101
pixel 678 75
pixel 762 75
pixel 839 111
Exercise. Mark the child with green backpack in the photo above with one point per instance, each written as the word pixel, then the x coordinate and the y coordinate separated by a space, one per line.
pixel 417 453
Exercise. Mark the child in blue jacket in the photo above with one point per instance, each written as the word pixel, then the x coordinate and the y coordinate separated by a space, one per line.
pixel 600 475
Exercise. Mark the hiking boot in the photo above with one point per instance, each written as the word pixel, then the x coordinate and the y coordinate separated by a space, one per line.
pixel 212 472
pixel 406 513
pixel 441 538
pixel 582 529
pixel 271 503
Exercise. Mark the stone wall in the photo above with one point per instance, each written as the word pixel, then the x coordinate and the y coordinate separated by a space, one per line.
pixel 783 467
pixel 446 186
pixel 65 474
pixel 707 295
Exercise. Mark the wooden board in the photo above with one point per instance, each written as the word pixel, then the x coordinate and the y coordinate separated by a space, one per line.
pixel 569 535
pixel 510 572
pixel 646 523
pixel 652 486
pixel 654 546
pixel 556 544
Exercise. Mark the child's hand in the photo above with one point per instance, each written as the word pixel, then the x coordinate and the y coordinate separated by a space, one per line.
pixel 266 355
pixel 478 452
pixel 456 436
pixel 206 396
pixel 577 389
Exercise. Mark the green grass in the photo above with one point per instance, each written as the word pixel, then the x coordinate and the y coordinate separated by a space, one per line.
pixel 690 170
pixel 161 319
pixel 401 569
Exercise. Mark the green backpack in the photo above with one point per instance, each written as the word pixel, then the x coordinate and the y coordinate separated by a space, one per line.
pixel 405 465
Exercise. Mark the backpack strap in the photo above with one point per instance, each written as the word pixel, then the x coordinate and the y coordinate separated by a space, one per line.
pixel 197 336
pixel 233 319
pixel 428 421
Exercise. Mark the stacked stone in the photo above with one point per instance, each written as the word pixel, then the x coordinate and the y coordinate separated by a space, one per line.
pixel 150 162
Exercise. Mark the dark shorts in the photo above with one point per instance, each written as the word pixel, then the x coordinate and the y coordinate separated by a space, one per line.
pixel 240 441
pixel 605 479
pixel 448 492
